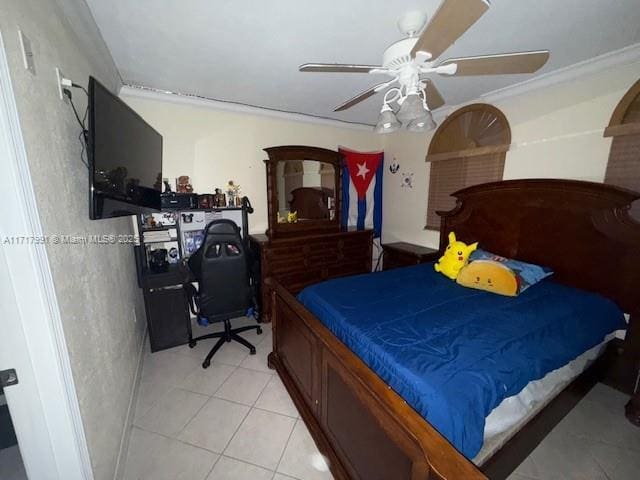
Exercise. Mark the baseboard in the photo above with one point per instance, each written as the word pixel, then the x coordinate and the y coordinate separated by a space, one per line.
pixel 126 430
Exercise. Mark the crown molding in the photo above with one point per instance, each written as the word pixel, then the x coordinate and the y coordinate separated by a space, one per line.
pixel 139 91
pixel 592 66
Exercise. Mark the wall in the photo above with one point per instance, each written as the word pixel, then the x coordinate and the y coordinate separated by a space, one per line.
pixel 556 133
pixel 95 285
pixel 213 146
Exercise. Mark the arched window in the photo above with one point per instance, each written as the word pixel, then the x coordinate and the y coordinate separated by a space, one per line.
pixel 623 168
pixel 467 149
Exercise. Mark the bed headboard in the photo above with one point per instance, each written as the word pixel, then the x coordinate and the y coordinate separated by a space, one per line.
pixel 580 229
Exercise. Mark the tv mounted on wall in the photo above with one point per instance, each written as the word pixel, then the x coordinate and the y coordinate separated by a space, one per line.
pixel 125 158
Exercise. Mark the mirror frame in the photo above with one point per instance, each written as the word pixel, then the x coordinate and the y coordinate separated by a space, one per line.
pixel 301 152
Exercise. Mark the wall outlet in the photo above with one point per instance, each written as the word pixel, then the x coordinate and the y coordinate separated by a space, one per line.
pixel 62 82
pixel 59 78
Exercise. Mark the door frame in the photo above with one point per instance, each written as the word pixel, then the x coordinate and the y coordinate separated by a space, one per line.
pixel 44 405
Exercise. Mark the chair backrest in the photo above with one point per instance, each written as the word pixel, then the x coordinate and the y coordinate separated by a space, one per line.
pixel 221 269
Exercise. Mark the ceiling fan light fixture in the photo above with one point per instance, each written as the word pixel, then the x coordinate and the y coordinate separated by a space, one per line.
pixel 422 124
pixel 387 121
pixel 412 107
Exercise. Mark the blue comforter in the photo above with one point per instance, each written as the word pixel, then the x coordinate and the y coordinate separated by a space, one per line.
pixel 454 353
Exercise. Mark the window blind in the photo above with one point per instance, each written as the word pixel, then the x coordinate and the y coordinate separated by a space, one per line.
pixel 449 176
pixel 623 168
pixel 469 148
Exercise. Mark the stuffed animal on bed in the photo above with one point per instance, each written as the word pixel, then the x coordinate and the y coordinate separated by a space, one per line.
pixel 491 276
pixel 456 256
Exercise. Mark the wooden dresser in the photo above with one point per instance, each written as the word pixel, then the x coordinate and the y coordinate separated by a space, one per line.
pixel 304 260
pixel 308 181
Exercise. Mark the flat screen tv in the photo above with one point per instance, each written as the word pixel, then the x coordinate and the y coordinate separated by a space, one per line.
pixel 125 158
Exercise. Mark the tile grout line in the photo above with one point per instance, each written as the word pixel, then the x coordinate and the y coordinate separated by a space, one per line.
pixel 248 463
pixel 251 408
pixel 195 414
pixel 253 405
pixel 212 467
pixel 295 424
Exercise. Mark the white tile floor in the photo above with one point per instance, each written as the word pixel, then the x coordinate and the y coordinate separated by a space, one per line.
pixel 594 441
pixel 232 421
pixel 235 421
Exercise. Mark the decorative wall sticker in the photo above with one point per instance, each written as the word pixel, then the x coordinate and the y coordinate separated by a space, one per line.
pixel 394 167
pixel 407 180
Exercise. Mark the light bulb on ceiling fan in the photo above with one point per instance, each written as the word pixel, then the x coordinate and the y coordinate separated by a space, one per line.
pixel 387 121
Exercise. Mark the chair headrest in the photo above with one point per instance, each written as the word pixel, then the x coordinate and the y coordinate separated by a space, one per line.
pixel 222 227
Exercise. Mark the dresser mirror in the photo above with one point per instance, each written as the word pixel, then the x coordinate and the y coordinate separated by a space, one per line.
pixel 306 188
pixel 303 188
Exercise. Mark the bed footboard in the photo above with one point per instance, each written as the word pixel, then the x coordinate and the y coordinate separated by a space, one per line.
pixel 366 431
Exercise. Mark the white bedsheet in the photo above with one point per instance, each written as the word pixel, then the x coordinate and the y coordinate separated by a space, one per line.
pixel 513 412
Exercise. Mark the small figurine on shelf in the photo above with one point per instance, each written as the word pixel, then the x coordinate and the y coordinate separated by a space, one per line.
pixel 234 193
pixel 280 218
pixel 292 217
pixel 183 185
pixel 219 199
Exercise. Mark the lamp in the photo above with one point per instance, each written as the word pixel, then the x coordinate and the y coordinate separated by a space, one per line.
pixel 411 108
pixel 422 124
pixel 387 121
pixel 414 111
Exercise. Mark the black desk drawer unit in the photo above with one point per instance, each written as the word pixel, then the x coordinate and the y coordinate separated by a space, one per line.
pixel 167 317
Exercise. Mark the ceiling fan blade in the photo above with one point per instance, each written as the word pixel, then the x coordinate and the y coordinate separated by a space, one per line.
pixel 504 63
pixel 337 68
pixel 450 21
pixel 363 96
pixel 434 99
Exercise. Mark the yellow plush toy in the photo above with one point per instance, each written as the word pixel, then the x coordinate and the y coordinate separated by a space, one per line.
pixel 490 276
pixel 455 257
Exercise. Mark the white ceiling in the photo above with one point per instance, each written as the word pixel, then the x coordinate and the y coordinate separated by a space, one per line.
pixel 248 51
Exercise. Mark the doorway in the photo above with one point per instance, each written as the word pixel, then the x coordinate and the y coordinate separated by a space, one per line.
pixel 42 403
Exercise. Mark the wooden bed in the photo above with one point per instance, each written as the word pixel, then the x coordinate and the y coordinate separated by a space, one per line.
pixel 582 230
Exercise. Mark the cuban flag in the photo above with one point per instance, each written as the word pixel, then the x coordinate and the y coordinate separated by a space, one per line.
pixel 362 190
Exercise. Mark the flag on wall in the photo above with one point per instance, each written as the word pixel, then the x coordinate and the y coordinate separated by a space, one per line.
pixel 362 190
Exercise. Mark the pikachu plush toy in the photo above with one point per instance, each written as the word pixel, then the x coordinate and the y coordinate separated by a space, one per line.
pixel 456 256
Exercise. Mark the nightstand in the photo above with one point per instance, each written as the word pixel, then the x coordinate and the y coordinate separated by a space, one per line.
pixel 402 254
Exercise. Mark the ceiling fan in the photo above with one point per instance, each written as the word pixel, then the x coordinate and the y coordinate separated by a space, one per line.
pixel 407 61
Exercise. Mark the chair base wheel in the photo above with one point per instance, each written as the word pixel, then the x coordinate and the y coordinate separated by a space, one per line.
pixel 259 330
pixel 206 364
pixel 192 344
pixel 252 351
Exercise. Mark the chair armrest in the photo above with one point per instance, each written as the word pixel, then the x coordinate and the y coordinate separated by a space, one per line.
pixel 192 297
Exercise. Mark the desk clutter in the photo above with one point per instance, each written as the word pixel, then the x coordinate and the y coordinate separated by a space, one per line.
pixel 184 198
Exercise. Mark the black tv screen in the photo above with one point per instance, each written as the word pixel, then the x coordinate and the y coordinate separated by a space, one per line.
pixel 125 158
